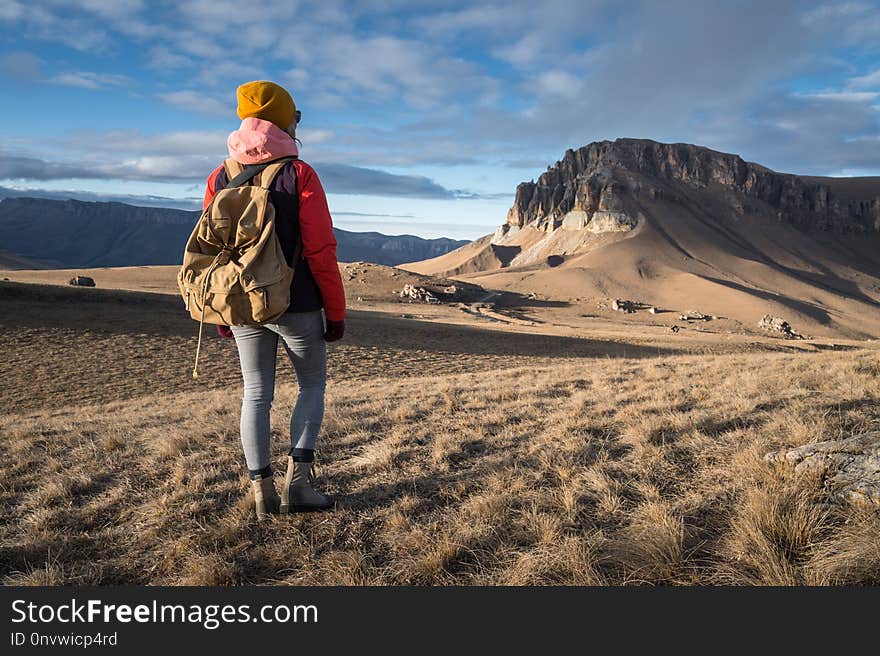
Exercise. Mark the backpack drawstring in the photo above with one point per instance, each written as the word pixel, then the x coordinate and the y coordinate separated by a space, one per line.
pixel 219 259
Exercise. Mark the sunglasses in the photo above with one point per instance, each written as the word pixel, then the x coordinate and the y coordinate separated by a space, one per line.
pixel 297 116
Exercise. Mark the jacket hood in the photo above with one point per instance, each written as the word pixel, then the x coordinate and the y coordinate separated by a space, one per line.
pixel 258 140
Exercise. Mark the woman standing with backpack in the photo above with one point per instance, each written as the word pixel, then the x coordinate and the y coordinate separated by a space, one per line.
pixel 316 313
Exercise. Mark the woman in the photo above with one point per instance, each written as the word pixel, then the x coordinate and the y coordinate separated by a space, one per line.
pixel 268 132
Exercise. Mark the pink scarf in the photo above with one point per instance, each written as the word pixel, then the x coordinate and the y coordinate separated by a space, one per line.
pixel 258 140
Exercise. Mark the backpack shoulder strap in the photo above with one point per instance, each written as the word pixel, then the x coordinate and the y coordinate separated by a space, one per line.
pixel 266 176
pixel 239 174
pixel 233 168
pixel 265 179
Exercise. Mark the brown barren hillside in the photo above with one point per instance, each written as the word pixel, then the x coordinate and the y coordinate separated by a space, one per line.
pixel 479 255
pixel 685 228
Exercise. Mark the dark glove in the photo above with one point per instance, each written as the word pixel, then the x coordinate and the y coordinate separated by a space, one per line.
pixel 335 330
pixel 224 331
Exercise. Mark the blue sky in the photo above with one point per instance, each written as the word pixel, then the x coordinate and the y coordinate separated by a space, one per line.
pixel 421 117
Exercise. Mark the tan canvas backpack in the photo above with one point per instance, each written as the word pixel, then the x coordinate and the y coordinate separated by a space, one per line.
pixel 234 271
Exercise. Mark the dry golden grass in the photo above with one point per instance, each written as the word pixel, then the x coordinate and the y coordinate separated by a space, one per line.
pixel 585 470
pixel 63 346
pixel 462 454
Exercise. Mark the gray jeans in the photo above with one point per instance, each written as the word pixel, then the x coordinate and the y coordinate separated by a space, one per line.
pixel 302 334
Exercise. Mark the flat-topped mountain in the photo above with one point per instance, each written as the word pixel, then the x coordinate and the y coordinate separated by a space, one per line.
pixel 686 227
pixel 602 176
pixel 72 233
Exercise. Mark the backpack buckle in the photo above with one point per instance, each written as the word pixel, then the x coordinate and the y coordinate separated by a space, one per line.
pixel 224 256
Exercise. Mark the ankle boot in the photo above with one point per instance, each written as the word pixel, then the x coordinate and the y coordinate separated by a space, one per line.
pixel 266 499
pixel 298 495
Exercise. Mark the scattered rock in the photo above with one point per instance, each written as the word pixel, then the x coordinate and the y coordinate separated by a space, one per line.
pixel 81 281
pixel 675 329
pixel 778 325
pixel 417 295
pixel 652 310
pixel 619 305
pixel 352 270
pixel 622 305
pixel 849 468
pixel 693 315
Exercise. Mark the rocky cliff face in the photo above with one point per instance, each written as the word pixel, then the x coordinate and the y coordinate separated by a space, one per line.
pixel 594 187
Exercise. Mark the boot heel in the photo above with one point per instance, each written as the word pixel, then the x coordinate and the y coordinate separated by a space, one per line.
pixel 266 500
pixel 301 496
pixel 284 506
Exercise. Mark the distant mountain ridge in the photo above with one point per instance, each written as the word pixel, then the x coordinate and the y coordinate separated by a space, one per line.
pixel 74 233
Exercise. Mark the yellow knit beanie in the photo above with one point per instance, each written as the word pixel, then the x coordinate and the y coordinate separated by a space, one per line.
pixel 266 100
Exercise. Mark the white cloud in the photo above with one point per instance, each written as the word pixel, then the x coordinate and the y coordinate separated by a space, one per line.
pixel 163 58
pixel 388 68
pixel 198 102
pixel 337 178
pixel 89 80
pixel 506 81
pixel 155 167
pixel 225 16
pixel 114 143
pixel 848 22
pixel 198 44
pixel 229 74
pixel 559 83
pixel 111 9
pixel 39 22
pixel 11 10
pixel 844 96
pixel 297 77
pixel 23 66
pixel 523 52
pixel 832 11
pixel 314 136
pixel 481 18
pixel 870 80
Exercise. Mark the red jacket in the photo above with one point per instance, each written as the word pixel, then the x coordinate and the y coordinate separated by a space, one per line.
pixel 316 229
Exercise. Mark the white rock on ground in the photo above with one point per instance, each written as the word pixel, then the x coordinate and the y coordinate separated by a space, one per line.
pixel 850 468
pixel 778 325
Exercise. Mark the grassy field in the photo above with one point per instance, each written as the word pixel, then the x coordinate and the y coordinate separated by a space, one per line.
pixel 460 455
